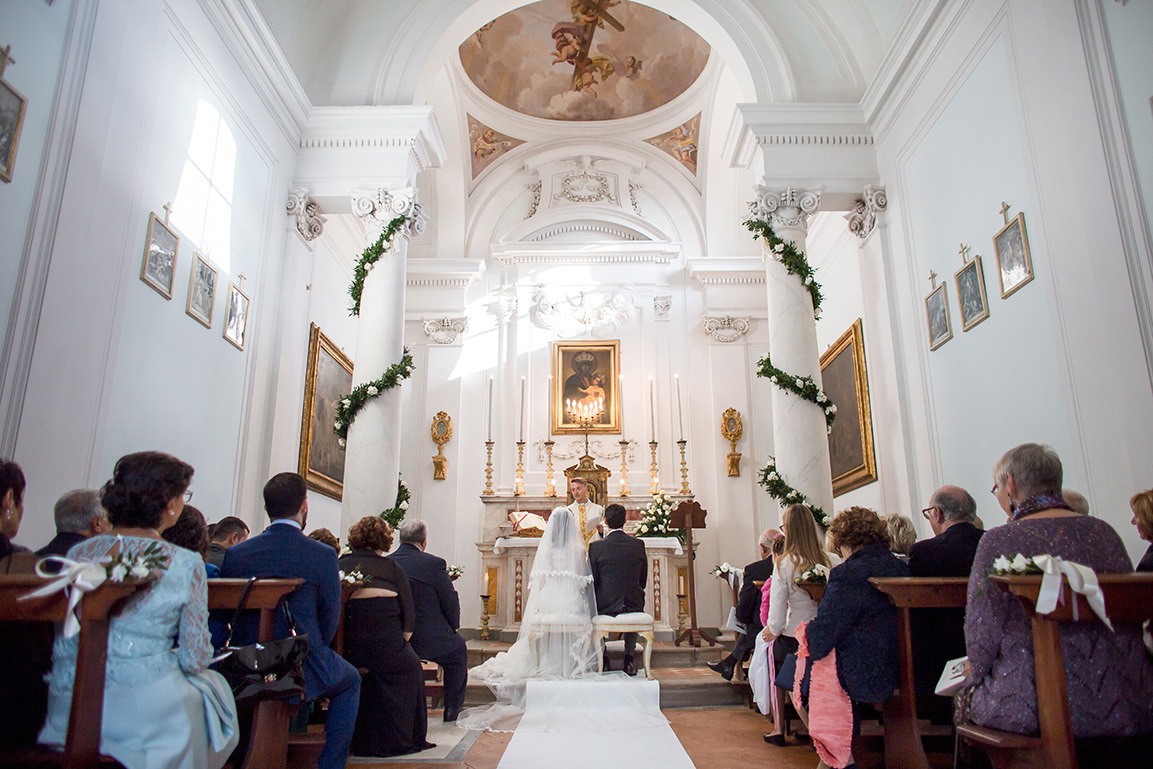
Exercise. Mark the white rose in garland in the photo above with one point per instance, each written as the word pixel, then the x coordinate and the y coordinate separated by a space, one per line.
pixel 785 494
pixel 349 407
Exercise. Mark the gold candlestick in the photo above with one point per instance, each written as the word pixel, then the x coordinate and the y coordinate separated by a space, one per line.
pixel 681 614
pixel 624 467
pixel 549 484
pixel 684 468
pixel 519 491
pixel 654 479
pixel 484 636
pixel 488 489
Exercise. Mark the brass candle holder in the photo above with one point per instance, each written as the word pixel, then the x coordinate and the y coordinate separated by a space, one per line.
pixel 682 613
pixel 681 444
pixel 484 617
pixel 549 484
pixel 488 489
pixel 519 491
pixel 654 475
pixel 624 444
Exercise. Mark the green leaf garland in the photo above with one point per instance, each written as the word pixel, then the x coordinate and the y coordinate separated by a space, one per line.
pixel 356 400
pixel 370 257
pixel 395 514
pixel 793 259
pixel 781 491
pixel 803 387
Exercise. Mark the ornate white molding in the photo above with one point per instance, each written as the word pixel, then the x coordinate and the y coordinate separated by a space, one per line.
pixel 376 208
pixel 662 305
pixel 601 448
pixel 788 208
pixel 586 185
pixel 633 188
pixel 571 315
pixel 345 142
pixel 532 207
pixel 507 304
pixel 309 221
pixel 600 229
pixel 820 140
pixel 726 329
pixel 863 218
pixel 445 330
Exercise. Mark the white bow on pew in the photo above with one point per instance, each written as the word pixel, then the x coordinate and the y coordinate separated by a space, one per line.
pixel 1082 579
pixel 76 578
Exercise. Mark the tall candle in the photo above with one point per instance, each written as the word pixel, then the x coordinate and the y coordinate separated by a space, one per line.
pixel 522 386
pixel 486 582
pixel 490 384
pixel 680 421
pixel 652 410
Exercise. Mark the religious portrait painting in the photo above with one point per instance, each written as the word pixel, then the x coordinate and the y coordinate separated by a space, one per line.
pixel 845 380
pixel 236 317
pixel 12 106
pixel 971 297
pixel 201 290
pixel 586 376
pixel 1014 263
pixel 937 315
pixel 328 379
pixel 159 263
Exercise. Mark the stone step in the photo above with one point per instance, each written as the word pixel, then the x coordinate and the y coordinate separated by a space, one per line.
pixel 665 655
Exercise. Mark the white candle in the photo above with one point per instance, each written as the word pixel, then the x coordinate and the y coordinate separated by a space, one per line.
pixel 652 410
pixel 486 582
pixel 680 422
pixel 491 378
pixel 522 386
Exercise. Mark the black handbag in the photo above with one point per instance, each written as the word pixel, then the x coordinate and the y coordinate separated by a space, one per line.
pixel 264 670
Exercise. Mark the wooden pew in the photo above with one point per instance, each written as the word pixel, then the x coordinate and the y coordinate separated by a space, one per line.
pixel 268 743
pixel 1128 599
pixel 903 746
pixel 97 609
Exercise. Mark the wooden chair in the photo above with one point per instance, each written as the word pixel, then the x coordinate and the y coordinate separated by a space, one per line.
pixel 268 742
pixel 1128 599
pixel 97 609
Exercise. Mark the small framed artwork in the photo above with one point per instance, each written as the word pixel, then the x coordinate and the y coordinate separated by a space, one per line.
pixel 201 290
pixel 586 373
pixel 845 379
pixel 971 297
pixel 236 317
pixel 1014 263
pixel 329 378
pixel 937 314
pixel 159 263
pixel 12 106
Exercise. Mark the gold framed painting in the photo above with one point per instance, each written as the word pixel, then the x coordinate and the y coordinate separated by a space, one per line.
pixel 236 317
pixel 328 379
pixel 201 290
pixel 12 107
pixel 845 380
pixel 1014 262
pixel 158 266
pixel 937 316
pixel 582 373
pixel 971 297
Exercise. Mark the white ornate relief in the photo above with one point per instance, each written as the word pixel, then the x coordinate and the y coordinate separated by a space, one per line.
pixel 376 208
pixel 532 206
pixel 445 330
pixel 863 218
pixel 726 329
pixel 586 185
pixel 662 305
pixel 507 304
pixel 575 314
pixel 789 208
pixel 633 188
pixel 306 211
pixel 601 448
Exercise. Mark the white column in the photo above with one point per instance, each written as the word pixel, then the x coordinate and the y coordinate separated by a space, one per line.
pixel 799 431
pixel 372 453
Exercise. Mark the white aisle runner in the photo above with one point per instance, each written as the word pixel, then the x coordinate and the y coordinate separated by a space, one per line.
pixel 564 722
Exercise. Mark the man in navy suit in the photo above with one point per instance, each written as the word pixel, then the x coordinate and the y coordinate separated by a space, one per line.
pixel 620 570
pixel 282 550
pixel 437 613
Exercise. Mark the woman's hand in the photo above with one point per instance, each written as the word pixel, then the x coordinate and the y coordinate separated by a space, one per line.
pixel 767 635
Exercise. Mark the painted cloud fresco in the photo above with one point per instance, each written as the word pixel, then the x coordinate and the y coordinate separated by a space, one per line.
pixel 584 59
pixel 681 142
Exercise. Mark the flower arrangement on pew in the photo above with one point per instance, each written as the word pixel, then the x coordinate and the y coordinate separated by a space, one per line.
pixel 354 577
pixel 722 571
pixel 140 565
pixel 1019 564
pixel 817 575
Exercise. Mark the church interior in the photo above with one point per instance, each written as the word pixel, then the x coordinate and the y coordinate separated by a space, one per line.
pixel 516 232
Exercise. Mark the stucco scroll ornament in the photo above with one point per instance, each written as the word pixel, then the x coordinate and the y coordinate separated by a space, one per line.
pixel 535 203
pixel 445 330
pixel 309 221
pixel 507 304
pixel 662 305
pixel 863 218
pixel 585 186
pixel 582 313
pixel 727 329
pixel 787 208
pixel 379 207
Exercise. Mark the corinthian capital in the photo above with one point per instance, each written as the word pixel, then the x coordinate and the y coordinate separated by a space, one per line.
pixel 863 218
pixel 376 208
pixel 309 222
pixel 789 208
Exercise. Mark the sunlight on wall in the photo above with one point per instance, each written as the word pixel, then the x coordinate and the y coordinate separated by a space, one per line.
pixel 203 206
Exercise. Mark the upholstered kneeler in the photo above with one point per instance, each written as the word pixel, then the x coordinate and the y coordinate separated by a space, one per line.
pixel 633 622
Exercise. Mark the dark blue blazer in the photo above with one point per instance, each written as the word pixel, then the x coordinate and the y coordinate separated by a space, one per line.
pixel 860 622
pixel 436 601
pixel 620 570
pixel 282 550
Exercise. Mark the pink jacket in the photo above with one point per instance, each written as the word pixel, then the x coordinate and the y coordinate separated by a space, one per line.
pixel 765 601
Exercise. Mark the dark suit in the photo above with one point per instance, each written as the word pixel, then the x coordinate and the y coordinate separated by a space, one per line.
pixel 437 618
pixel 282 550
pixel 939 634
pixel 61 543
pixel 620 570
pixel 1146 563
pixel 749 606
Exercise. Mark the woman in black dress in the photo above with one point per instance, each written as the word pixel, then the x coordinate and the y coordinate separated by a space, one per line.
pixel 378 622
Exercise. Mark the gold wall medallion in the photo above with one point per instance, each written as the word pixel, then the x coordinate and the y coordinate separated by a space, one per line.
pixel 441 434
pixel 732 428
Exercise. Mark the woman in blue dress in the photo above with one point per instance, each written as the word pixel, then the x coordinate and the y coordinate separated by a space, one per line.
pixel 162 708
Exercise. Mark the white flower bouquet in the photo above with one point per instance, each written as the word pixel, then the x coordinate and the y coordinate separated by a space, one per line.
pixel 722 570
pixel 1019 564
pixel 140 565
pixel 354 577
pixel 455 572
pixel 816 574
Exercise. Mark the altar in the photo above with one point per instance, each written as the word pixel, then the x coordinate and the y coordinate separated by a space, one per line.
pixel 507 558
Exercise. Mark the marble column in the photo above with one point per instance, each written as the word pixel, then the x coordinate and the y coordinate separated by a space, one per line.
pixel 799 432
pixel 372 453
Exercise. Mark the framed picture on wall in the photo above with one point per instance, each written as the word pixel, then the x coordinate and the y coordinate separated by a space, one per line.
pixel 159 263
pixel 937 315
pixel 1014 263
pixel 971 296
pixel 236 317
pixel 582 373
pixel 201 290
pixel 12 106
pixel 328 379
pixel 845 379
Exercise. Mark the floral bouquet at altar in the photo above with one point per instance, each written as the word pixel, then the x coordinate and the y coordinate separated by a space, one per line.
pixel 658 518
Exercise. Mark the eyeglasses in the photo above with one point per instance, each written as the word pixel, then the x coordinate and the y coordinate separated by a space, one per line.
pixel 928 512
pixel 994 490
pixel 188 496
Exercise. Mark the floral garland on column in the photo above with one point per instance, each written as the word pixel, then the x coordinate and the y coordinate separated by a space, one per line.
pixel 804 387
pixel 370 257
pixel 781 491
pixel 356 400
pixel 792 258
pixel 395 514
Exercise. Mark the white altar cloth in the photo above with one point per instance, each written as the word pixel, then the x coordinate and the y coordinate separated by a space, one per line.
pixel 651 543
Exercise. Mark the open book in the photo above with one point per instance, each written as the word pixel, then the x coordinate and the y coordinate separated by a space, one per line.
pixel 529 524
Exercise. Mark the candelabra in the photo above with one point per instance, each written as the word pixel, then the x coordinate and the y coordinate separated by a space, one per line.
pixel 488 489
pixel 684 468
pixel 654 479
pixel 624 467
pixel 519 491
pixel 682 614
pixel 549 484
pixel 586 415
pixel 484 616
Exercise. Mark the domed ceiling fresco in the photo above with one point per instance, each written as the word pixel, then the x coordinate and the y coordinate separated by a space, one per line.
pixel 584 59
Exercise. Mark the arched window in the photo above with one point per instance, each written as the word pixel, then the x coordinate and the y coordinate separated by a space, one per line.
pixel 203 206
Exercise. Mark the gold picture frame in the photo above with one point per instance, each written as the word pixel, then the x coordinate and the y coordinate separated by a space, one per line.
pixel 586 370
pixel 158 265
pixel 1014 261
pixel 12 108
pixel 201 290
pixel 327 380
pixel 972 300
pixel 845 380
pixel 236 317
pixel 937 317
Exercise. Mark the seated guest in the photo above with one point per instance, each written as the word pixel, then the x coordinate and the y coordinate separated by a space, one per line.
pixel 1076 501
pixel 153 715
pixel 282 550
pixel 11 506
pixel 1142 506
pixel 191 533
pixel 327 537
pixel 223 534
pixel 79 515
pixel 901 533
pixel 939 634
pixel 1110 678
pixel 748 608
pixel 378 622
pixel 437 605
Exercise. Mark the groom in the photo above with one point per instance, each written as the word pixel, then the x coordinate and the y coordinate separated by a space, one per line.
pixel 619 572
